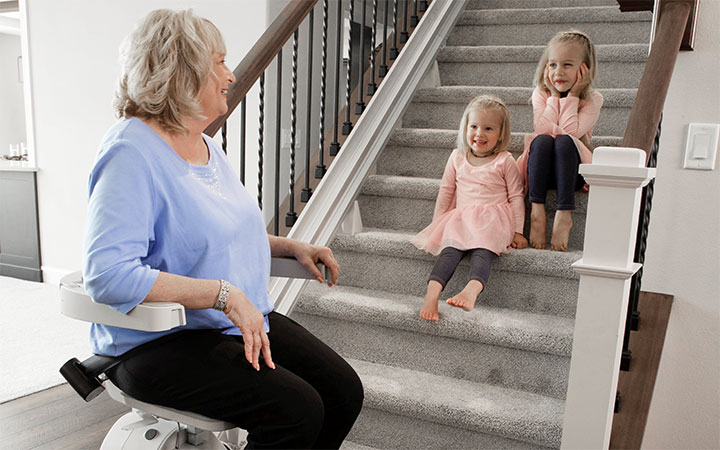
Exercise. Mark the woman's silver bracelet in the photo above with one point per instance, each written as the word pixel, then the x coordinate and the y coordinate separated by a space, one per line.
pixel 223 296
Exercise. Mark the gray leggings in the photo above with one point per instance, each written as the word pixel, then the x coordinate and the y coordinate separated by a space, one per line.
pixel 480 262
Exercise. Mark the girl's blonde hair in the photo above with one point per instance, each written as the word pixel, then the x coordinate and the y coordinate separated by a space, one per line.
pixel 165 63
pixel 486 103
pixel 589 58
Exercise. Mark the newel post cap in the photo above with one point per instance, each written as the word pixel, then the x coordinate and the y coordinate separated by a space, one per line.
pixel 617 166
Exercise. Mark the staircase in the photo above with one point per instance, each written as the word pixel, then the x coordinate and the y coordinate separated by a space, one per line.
pixel 495 377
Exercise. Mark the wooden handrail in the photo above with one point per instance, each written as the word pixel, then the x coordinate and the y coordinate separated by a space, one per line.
pixel 646 111
pixel 261 55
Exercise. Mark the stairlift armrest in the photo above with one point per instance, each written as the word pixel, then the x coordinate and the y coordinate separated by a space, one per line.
pixel 287 267
pixel 147 316
pixel 151 316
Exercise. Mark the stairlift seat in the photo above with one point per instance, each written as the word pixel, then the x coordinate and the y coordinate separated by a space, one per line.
pixel 175 415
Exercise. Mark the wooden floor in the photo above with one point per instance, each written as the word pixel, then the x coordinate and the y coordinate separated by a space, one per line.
pixel 636 386
pixel 57 418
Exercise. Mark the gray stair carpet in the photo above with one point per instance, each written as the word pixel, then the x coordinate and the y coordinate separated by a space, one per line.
pixel 494 377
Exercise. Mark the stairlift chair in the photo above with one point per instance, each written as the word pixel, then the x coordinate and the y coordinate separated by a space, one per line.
pixel 147 426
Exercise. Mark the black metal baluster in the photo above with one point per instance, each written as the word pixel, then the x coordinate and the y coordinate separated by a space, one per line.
pixel 278 103
pixel 404 36
pixel 394 50
pixel 320 168
pixel 347 125
pixel 291 216
pixel 307 192
pixel 372 87
pixel 360 104
pixel 242 141
pixel 414 20
pixel 633 316
pixel 334 145
pixel 383 67
pixel 223 134
pixel 260 139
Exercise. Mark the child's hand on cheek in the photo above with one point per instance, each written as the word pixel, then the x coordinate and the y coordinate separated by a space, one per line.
pixel 582 82
pixel 548 83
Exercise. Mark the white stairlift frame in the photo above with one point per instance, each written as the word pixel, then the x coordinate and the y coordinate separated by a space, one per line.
pixel 130 431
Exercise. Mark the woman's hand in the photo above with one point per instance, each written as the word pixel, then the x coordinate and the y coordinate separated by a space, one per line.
pixel 519 241
pixel 252 325
pixel 308 255
pixel 549 84
pixel 582 82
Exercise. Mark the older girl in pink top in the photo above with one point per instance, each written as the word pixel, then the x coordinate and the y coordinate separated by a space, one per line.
pixel 480 207
pixel 565 109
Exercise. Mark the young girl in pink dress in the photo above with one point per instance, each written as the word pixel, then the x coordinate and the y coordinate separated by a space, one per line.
pixel 565 109
pixel 480 205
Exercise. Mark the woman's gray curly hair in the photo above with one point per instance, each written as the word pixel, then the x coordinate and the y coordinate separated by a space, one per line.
pixel 165 63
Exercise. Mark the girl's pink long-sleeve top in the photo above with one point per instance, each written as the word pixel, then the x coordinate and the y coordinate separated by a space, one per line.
pixel 477 207
pixel 556 116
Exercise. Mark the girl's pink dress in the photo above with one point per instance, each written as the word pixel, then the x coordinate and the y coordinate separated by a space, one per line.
pixel 555 116
pixel 477 207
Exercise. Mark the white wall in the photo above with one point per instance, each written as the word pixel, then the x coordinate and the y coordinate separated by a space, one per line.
pixel 683 256
pixel 73 47
pixel 12 111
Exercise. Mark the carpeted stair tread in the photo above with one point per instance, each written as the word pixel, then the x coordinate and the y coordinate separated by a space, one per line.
pixel 347 445
pixel 532 53
pixel 515 95
pixel 397 244
pixel 481 407
pixel 426 189
pixel 439 138
pixel 570 15
pixel 485 324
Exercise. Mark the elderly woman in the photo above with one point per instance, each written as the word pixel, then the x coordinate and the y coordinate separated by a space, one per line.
pixel 168 220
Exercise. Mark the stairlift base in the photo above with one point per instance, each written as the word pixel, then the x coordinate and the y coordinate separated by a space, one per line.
pixel 136 431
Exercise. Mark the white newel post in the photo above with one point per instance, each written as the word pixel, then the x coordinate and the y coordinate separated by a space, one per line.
pixel 616 178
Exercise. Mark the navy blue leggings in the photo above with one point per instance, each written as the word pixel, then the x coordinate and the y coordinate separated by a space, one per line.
pixel 553 164
pixel 480 263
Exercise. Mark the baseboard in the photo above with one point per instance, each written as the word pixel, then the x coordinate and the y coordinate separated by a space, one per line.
pixel 23 273
pixel 52 275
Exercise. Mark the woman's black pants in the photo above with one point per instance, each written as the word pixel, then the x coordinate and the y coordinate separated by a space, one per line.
pixel 553 164
pixel 311 399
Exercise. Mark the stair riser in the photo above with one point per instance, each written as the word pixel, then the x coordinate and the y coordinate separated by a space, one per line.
pixel 505 289
pixel 541 33
pixel 610 74
pixel 539 373
pixel 425 162
pixel 411 214
pixel 381 429
pixel 521 4
pixel 612 121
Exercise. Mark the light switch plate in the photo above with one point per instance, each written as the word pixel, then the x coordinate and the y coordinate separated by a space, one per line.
pixel 701 147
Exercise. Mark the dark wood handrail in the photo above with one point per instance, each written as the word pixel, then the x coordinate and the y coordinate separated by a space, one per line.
pixel 261 55
pixel 647 109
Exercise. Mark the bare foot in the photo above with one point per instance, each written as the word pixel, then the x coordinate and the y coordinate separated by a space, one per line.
pixel 537 226
pixel 466 298
pixel 429 309
pixel 561 230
